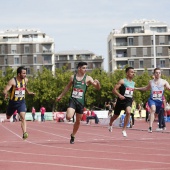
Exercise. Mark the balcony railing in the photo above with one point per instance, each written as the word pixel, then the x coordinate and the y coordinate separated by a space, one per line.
pixel 121 44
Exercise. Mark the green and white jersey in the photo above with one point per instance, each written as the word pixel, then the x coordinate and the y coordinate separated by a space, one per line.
pixel 79 89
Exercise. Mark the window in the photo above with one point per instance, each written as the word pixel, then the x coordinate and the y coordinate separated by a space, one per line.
pixel 71 57
pixel 161 39
pixel 2 49
pixel 63 57
pixel 140 63
pixel 131 63
pixel 145 52
pixel 162 63
pixel 35 59
pixel 24 60
pixel 16 59
pixel 140 40
pixel 5 61
pixel 26 49
pixel 133 52
pixel 47 59
pixel 159 51
pixel 28 71
pixel 13 49
pixel 47 48
pixel 130 41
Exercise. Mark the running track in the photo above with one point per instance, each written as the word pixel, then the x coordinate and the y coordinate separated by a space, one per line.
pixel 48 147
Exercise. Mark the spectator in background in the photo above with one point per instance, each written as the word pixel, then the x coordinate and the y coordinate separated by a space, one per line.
pixel 107 105
pixel 161 120
pixel 133 112
pixel 33 113
pixel 110 113
pixel 114 103
pixel 139 107
pixel 122 118
pixel 14 116
pixel 42 110
pixel 91 115
pixel 147 108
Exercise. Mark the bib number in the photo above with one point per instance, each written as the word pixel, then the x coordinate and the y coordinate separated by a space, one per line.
pixel 20 92
pixel 77 93
pixel 129 92
pixel 157 95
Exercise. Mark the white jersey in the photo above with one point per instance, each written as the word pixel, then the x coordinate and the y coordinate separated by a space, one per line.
pixel 157 90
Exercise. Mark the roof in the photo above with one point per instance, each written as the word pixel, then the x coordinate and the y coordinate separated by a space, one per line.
pixel 74 52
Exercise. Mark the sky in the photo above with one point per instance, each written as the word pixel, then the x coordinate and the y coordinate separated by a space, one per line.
pixel 80 24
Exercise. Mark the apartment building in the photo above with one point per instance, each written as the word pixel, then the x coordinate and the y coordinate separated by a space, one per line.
pixel 140 44
pixel 72 58
pixel 26 47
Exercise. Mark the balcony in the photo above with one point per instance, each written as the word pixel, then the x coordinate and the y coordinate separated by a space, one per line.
pixel 121 44
pixel 47 51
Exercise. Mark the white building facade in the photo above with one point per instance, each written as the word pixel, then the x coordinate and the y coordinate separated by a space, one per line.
pixel 26 47
pixel 72 58
pixel 141 44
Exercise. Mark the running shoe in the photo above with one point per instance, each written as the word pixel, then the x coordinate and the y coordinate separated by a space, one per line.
pixel 164 128
pixel 150 130
pixel 124 133
pixel 159 129
pixel 110 128
pixel 72 139
pixel 25 135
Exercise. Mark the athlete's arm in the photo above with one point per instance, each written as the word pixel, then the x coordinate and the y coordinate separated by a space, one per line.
pixel 7 87
pixel 66 88
pixel 148 87
pixel 95 82
pixel 167 85
pixel 26 81
pixel 116 88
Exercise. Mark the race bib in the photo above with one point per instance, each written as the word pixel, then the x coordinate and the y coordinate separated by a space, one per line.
pixel 77 93
pixel 129 92
pixel 20 92
pixel 157 95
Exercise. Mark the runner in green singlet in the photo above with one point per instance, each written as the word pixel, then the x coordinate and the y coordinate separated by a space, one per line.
pixel 79 83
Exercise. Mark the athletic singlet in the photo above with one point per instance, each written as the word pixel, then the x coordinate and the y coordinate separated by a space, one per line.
pixel 79 89
pixel 17 93
pixel 157 90
pixel 127 88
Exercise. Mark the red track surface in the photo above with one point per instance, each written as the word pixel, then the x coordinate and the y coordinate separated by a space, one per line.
pixel 95 148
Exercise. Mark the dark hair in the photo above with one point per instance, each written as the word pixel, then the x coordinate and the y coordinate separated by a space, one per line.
pixel 128 68
pixel 156 69
pixel 19 70
pixel 80 64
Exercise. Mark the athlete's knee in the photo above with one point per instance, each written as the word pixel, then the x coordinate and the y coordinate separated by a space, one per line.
pixel 77 122
pixel 68 117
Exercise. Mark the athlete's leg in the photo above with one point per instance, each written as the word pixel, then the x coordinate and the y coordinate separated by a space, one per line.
pixel 127 117
pixel 77 123
pixel 118 108
pixel 23 122
pixel 112 119
pixel 70 113
pixel 152 115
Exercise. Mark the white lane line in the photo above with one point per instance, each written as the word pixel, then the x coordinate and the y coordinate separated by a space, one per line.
pixel 91 158
pixel 11 131
pixel 89 150
pixel 55 164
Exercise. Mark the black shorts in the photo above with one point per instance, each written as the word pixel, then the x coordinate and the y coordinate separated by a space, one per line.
pixel 120 105
pixel 16 105
pixel 73 103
